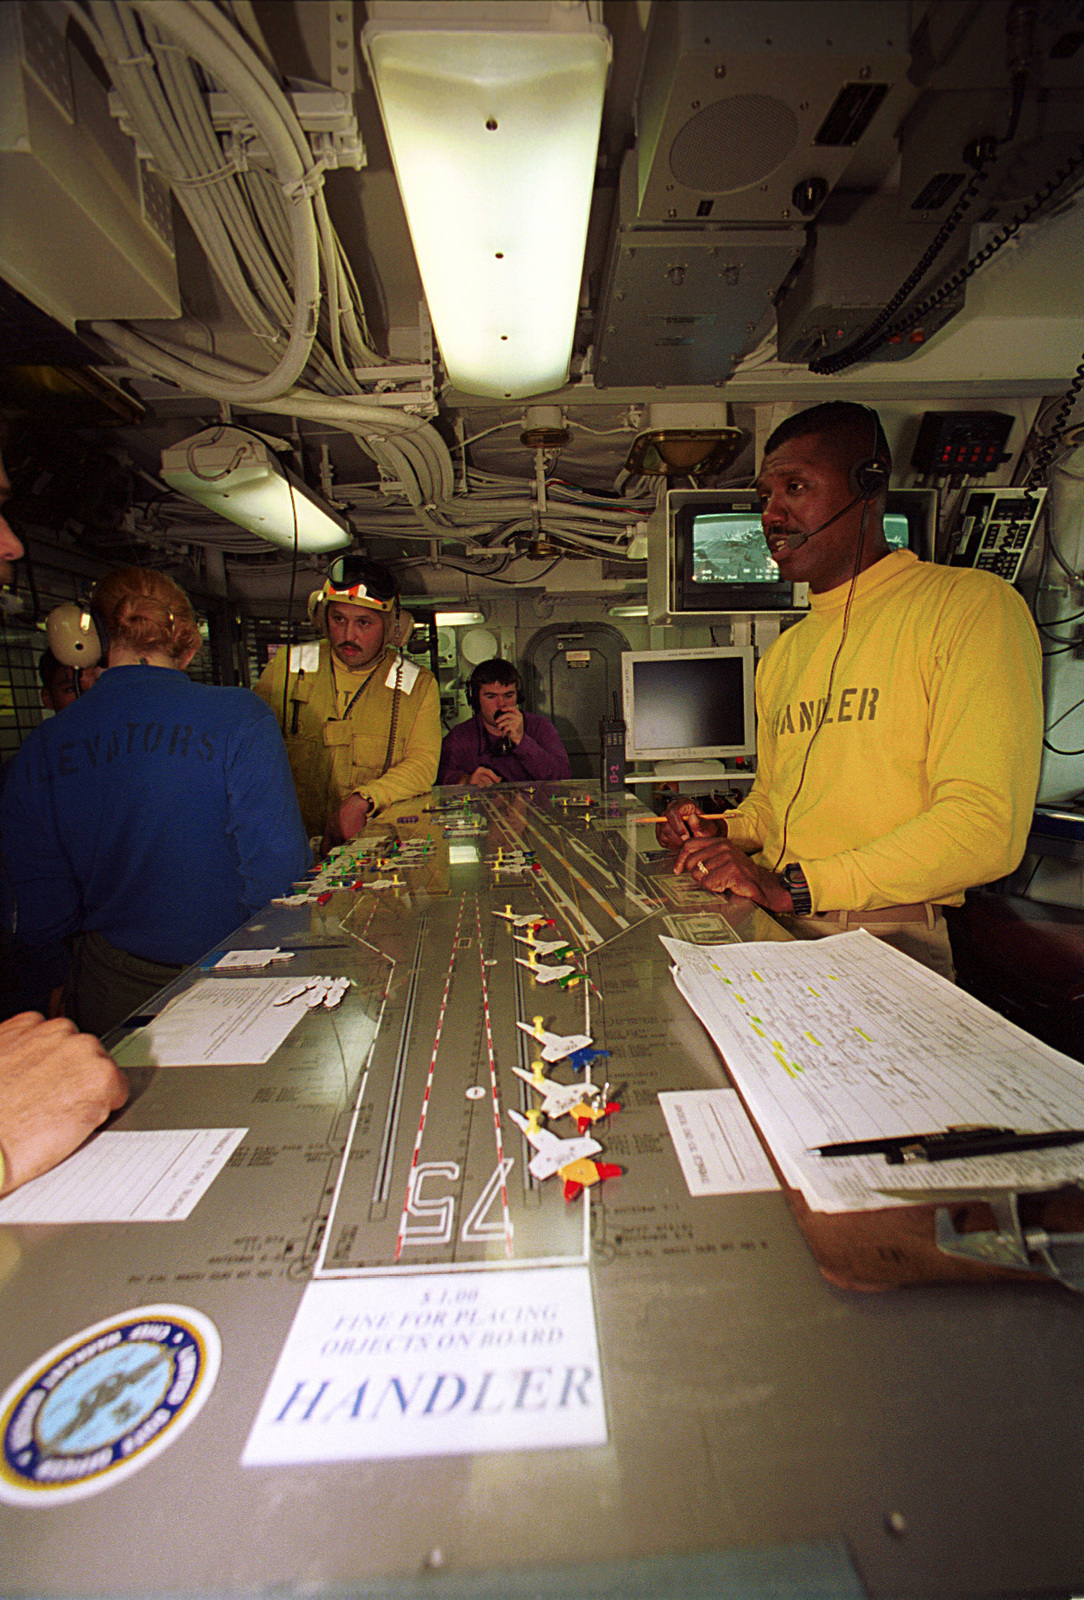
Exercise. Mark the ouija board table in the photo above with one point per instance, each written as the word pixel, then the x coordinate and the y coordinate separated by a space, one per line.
pixel 736 1418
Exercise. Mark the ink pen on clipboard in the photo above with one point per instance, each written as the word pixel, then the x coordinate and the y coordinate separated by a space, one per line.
pixel 954 1144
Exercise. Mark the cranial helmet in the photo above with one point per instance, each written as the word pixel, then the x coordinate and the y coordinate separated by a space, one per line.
pixel 354 580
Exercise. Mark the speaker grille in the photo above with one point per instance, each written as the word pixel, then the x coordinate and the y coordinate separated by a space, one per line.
pixel 733 143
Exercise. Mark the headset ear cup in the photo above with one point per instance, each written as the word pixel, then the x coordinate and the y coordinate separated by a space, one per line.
pixel 869 479
pixel 76 635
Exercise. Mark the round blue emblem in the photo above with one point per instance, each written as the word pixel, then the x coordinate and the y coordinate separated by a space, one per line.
pixel 99 1406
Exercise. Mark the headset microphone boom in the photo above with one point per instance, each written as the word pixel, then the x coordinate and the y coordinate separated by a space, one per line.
pixel 794 541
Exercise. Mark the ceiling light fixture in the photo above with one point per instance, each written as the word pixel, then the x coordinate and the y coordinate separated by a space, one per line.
pixel 492 114
pixel 692 440
pixel 236 474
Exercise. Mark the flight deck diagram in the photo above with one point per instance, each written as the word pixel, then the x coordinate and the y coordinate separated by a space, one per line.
pixel 492 929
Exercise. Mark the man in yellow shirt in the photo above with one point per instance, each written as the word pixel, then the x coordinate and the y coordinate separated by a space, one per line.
pixel 360 720
pixel 899 725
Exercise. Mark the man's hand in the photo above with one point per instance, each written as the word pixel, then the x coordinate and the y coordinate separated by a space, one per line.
pixel 509 724
pixel 56 1086
pixel 718 865
pixel 683 822
pixel 347 823
pixel 483 778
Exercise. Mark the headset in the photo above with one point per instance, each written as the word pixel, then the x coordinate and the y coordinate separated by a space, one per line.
pixel 77 635
pixel 484 673
pixel 868 479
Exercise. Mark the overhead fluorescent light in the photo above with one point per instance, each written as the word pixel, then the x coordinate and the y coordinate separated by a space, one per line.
pixel 492 114
pixel 457 619
pixel 236 474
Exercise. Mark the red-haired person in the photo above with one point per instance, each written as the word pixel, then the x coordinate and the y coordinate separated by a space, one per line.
pixel 154 816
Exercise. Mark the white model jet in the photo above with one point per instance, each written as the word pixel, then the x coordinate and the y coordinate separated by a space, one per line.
pixel 531 919
pixel 545 974
pixel 552 1153
pixel 586 1100
pixel 555 1046
pixel 542 947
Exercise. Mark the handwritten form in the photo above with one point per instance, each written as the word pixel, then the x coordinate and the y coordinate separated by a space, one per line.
pixel 715 1142
pixel 218 1022
pixel 846 1038
pixel 155 1176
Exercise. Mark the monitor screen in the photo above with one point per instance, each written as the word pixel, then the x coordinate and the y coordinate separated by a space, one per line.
pixel 688 704
pixel 721 560
pixel 720 555
pixel 911 521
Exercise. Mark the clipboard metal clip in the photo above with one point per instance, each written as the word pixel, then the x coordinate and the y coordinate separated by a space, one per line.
pixel 1013 1244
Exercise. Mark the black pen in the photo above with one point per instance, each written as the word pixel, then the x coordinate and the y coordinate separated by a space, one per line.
pixel 954 1144
pixel 895 1141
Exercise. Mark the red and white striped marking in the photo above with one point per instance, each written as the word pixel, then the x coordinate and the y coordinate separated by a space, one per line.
pixel 494 1097
pixel 401 1235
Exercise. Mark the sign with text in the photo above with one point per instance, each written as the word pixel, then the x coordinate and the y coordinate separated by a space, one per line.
pixel 442 1364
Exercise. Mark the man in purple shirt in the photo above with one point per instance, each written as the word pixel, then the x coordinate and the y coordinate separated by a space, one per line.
pixel 501 743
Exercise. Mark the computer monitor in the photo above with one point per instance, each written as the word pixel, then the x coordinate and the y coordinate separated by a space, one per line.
pixel 911 521
pixel 684 705
pixel 720 554
pixel 721 560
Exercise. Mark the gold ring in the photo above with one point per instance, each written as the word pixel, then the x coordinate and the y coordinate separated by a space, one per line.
pixel 700 867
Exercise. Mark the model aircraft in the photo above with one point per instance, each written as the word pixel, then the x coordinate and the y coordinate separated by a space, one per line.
pixel 571 1159
pixel 532 919
pixel 555 1046
pixel 586 1102
pixel 544 947
pixel 580 1060
pixel 548 974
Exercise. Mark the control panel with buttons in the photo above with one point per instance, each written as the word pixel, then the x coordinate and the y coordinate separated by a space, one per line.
pixel 995 530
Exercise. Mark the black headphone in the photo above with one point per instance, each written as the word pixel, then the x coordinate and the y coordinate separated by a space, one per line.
pixel 869 478
pixel 483 674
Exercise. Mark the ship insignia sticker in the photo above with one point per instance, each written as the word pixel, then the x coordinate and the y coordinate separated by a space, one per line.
pixel 96 1408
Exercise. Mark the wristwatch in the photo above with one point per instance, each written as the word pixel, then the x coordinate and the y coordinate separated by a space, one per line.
pixel 794 880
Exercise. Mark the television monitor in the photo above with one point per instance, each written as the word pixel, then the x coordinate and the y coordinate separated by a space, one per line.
pixel 721 560
pixel 720 555
pixel 686 705
pixel 911 521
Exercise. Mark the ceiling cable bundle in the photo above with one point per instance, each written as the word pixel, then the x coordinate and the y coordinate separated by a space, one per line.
pixel 265 229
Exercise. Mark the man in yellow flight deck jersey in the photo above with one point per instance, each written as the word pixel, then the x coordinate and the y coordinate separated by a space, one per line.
pixel 899 724
pixel 361 721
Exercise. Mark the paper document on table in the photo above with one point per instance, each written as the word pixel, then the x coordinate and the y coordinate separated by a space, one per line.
pixel 715 1142
pixel 142 1176
pixel 221 1024
pixel 846 1038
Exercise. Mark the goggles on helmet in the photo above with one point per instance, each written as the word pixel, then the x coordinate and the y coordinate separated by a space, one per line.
pixel 354 580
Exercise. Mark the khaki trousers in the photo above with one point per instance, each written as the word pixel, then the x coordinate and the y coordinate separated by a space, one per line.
pixel 930 945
